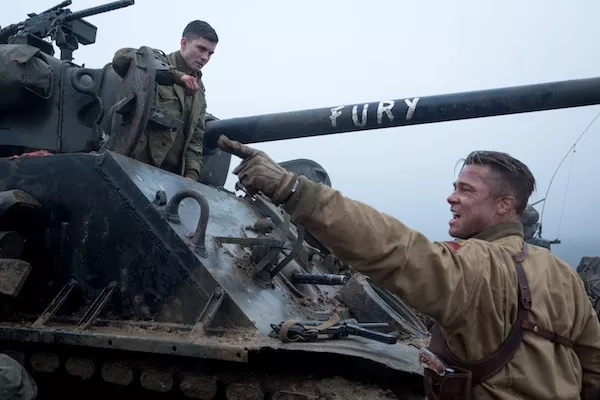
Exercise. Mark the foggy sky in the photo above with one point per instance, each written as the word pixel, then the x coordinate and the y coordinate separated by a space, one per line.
pixel 278 56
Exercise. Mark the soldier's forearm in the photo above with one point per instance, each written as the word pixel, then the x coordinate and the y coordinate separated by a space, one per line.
pixel 176 75
pixel 194 154
pixel 193 166
pixel 429 276
pixel 122 60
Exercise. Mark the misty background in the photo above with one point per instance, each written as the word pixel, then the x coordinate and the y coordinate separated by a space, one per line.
pixel 276 56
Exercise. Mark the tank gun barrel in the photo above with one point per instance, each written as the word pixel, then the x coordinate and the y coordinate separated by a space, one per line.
pixel 14 28
pixel 68 29
pixel 115 5
pixel 56 7
pixel 406 111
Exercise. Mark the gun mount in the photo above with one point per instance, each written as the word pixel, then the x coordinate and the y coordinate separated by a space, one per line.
pixel 68 29
pixel 121 279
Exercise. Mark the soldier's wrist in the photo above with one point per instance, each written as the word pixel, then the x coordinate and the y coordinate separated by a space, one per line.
pixel 291 189
pixel 285 187
pixel 303 200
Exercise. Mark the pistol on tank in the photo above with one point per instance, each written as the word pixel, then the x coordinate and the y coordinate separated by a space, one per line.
pixel 310 331
pixel 68 29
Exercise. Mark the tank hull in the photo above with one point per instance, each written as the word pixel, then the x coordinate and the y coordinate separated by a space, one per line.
pixel 123 293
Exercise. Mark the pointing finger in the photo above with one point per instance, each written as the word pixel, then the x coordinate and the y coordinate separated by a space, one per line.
pixel 235 148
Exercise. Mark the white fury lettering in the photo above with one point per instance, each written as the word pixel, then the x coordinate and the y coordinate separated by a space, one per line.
pixel 357 123
pixel 335 113
pixel 412 106
pixel 385 107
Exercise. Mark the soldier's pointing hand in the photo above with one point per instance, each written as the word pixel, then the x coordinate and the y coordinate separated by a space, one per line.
pixel 258 172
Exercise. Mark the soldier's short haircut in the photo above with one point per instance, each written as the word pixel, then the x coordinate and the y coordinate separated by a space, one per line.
pixel 512 175
pixel 200 29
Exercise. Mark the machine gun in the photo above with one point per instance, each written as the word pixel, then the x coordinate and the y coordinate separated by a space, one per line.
pixel 66 28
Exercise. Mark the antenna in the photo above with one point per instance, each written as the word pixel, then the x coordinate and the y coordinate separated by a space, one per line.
pixel 559 164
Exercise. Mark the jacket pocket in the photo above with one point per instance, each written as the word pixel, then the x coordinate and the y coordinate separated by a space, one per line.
pixel 168 101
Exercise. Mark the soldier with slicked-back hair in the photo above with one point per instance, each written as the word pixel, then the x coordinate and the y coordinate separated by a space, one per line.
pixel 512 320
pixel 178 150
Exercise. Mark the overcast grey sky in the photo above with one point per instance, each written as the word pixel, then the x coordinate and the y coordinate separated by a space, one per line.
pixel 280 56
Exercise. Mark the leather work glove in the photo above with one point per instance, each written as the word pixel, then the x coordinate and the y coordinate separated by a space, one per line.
pixel 258 172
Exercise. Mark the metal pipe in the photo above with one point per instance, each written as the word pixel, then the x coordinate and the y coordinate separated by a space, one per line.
pixel 319 279
pixel 115 5
pixel 409 111
pixel 56 7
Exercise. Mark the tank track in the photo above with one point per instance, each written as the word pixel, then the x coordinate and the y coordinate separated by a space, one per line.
pixel 70 372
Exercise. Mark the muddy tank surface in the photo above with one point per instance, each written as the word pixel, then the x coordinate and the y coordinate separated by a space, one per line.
pixel 120 279
pixel 121 274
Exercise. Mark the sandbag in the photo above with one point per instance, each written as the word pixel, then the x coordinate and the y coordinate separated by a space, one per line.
pixel 25 77
pixel 589 271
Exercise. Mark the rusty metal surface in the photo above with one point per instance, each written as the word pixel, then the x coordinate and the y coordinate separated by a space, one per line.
pixel 146 341
pixel 13 274
pixel 234 346
pixel 229 216
pixel 125 259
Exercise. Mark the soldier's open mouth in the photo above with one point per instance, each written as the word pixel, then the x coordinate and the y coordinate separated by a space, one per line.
pixel 455 217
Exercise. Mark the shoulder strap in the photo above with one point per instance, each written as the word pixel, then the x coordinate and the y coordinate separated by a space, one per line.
pixel 495 361
pixel 491 364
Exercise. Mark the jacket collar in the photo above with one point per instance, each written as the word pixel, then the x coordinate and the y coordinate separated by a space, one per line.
pixel 500 231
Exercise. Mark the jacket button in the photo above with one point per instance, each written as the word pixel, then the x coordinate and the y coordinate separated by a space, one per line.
pixel 164 143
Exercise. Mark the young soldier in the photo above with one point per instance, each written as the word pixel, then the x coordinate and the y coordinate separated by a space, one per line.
pixel 178 150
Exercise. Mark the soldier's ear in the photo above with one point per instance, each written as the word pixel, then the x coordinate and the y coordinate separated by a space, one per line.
pixel 183 43
pixel 505 204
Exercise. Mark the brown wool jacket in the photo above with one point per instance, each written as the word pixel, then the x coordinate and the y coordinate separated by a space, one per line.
pixel 471 290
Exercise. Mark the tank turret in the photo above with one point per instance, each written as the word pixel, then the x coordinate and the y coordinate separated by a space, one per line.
pixel 50 103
